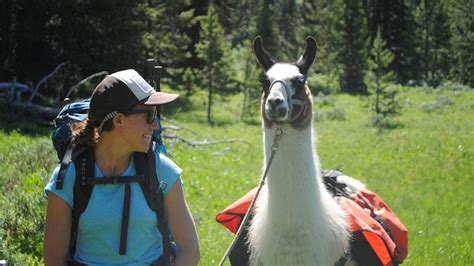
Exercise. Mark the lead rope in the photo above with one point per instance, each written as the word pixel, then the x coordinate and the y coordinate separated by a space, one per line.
pixel 276 141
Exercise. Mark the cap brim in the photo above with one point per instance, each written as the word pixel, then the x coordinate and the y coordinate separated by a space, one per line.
pixel 160 98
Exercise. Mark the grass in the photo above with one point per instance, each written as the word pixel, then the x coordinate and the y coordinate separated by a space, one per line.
pixel 423 168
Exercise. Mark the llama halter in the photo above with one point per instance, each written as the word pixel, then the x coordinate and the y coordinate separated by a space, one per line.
pixel 302 103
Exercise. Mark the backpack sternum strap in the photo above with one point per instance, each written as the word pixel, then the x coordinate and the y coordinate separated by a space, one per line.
pixel 106 180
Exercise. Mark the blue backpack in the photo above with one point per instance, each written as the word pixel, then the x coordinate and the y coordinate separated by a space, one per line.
pixel 70 113
pixel 83 159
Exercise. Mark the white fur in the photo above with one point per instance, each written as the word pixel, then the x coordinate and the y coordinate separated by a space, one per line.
pixel 353 184
pixel 297 222
pixel 283 71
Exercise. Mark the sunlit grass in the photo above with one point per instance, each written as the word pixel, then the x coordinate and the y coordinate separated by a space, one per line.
pixel 424 168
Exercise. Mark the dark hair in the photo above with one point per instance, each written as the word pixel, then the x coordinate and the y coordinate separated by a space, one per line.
pixel 86 133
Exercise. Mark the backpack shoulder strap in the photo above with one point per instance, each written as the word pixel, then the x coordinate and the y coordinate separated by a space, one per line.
pixel 70 154
pixel 145 163
pixel 84 163
pixel 63 167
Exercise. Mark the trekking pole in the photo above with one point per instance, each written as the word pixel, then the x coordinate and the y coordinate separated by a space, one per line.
pixel 149 67
pixel 276 140
pixel 157 71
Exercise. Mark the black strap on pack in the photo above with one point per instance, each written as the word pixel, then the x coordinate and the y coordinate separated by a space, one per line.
pixel 70 154
pixel 333 186
pixel 125 219
pixel 84 163
pixel 107 180
pixel 154 196
pixel 63 167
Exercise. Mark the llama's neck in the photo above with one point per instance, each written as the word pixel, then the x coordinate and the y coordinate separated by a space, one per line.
pixel 297 221
pixel 294 186
pixel 295 165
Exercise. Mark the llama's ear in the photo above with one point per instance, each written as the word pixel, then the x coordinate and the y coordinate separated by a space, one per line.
pixel 307 59
pixel 263 58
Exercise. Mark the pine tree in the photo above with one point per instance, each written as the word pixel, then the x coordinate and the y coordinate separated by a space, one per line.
pixel 265 27
pixel 320 19
pixel 433 41
pixel 288 29
pixel 462 28
pixel 248 78
pixel 352 56
pixel 397 23
pixel 237 17
pixel 164 36
pixel 212 49
pixel 378 79
pixel 26 41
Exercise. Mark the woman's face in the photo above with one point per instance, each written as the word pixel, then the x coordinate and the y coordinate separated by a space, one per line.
pixel 139 130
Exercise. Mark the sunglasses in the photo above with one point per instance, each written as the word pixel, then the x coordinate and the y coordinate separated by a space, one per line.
pixel 151 114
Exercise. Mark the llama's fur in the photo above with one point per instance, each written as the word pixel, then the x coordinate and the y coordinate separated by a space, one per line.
pixel 297 221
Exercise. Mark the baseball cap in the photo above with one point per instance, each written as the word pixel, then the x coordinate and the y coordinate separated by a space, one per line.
pixel 120 91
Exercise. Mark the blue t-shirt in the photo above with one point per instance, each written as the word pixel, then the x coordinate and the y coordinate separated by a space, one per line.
pixel 98 237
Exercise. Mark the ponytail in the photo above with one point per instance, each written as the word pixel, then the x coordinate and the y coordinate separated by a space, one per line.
pixel 84 133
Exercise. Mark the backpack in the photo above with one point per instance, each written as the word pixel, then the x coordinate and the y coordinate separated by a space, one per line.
pixel 70 113
pixel 84 162
pixel 378 235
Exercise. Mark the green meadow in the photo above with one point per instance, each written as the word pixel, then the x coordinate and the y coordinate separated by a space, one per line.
pixel 423 167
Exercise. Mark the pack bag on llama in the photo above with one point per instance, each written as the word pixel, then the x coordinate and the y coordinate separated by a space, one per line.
pixel 304 216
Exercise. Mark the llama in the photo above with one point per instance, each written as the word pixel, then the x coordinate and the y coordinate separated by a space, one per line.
pixel 297 221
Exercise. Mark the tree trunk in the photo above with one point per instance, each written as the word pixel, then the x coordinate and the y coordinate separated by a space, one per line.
pixel 209 99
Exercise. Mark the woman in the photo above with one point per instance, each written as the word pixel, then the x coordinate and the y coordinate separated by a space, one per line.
pixel 120 122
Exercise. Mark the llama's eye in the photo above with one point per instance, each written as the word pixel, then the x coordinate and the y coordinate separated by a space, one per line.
pixel 264 81
pixel 298 81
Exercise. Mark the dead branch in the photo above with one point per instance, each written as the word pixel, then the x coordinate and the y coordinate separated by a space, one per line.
pixel 44 79
pixel 45 112
pixel 178 125
pixel 170 127
pixel 73 88
pixel 204 142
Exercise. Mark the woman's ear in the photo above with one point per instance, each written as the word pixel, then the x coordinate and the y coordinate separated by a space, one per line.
pixel 118 120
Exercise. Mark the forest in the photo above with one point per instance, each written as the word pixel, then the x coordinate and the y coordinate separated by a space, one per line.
pixel 206 45
pixel 392 86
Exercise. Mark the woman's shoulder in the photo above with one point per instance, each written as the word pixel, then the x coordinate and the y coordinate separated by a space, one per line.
pixel 167 170
pixel 66 177
pixel 163 161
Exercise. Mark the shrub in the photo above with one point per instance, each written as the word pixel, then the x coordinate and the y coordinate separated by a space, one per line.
pixel 336 114
pixel 325 84
pixel 439 105
pixel 22 223
pixel 454 86
pixel 324 99
pixel 380 121
pixel 319 115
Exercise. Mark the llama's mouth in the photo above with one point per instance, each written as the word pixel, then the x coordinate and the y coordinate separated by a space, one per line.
pixel 276 116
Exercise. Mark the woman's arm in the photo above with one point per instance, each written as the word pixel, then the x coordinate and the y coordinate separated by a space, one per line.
pixel 57 231
pixel 182 227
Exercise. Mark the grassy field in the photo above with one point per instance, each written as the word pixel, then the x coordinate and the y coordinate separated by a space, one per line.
pixel 423 168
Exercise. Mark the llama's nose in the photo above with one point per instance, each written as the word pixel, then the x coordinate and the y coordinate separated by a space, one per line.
pixel 276 105
pixel 274 102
